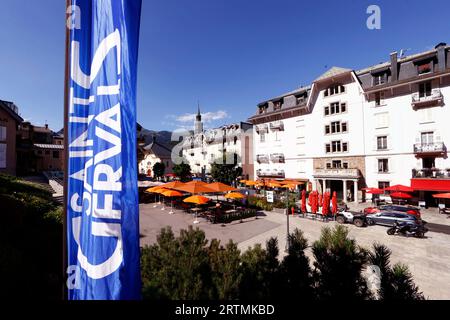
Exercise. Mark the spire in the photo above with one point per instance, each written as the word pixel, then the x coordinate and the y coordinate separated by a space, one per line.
pixel 199 115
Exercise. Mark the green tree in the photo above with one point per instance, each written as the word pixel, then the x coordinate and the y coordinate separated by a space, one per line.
pixel 225 275
pixel 183 171
pixel 225 169
pixel 158 169
pixel 295 271
pixel 253 273
pixel 177 268
pixel 396 283
pixel 338 266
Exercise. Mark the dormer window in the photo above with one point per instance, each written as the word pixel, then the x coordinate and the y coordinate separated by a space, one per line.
pixel 380 78
pixel 425 67
pixel 300 99
pixel 277 105
pixel 335 89
pixel 263 108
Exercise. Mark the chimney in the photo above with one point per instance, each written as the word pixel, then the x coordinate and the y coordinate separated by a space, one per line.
pixel 441 55
pixel 394 67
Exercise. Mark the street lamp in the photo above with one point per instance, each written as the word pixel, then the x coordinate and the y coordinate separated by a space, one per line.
pixel 287 221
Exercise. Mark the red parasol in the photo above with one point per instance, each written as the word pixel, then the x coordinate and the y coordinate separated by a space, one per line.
pixel 326 204
pixel 401 195
pixel 442 195
pixel 303 201
pixel 320 202
pixel 399 188
pixel 314 202
pixel 373 190
pixel 334 203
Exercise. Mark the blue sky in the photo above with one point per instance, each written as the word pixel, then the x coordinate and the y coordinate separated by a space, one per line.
pixel 227 54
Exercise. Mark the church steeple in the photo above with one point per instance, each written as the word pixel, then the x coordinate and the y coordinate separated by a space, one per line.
pixel 198 122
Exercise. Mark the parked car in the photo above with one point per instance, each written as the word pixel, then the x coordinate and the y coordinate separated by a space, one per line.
pixel 394 207
pixel 357 218
pixel 388 218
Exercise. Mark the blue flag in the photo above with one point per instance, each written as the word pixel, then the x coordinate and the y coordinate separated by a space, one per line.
pixel 102 200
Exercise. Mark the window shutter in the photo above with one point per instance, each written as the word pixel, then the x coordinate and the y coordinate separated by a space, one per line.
pixel 375 143
pixel 375 165
pixel 391 165
pixel 437 137
pixel 389 142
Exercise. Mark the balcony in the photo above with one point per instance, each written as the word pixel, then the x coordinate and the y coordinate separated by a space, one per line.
pixel 262 158
pixel 431 173
pixel 270 173
pixel 434 99
pixel 262 128
pixel 277 157
pixel 339 173
pixel 277 125
pixel 427 149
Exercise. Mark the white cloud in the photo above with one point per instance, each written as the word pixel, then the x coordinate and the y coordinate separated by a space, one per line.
pixel 206 117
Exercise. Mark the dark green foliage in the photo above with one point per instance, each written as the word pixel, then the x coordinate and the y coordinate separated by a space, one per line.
pixel 338 266
pixel 30 241
pixel 187 267
pixel 158 169
pixel 396 282
pixel 183 171
pixel 227 218
pixel 295 271
pixel 259 203
pixel 225 170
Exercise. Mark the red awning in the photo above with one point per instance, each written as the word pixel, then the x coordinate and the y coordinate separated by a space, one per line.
pixel 431 184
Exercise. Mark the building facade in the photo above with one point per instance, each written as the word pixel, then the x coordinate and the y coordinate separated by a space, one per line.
pixel 380 126
pixel 153 153
pixel 9 122
pixel 203 147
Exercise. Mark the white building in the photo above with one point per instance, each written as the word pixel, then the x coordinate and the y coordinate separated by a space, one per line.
pixel 383 125
pixel 153 153
pixel 203 147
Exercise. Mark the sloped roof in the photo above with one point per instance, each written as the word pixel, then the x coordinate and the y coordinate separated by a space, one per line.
pixel 11 109
pixel 159 150
pixel 333 71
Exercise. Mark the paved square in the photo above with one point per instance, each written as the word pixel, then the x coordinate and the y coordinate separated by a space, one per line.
pixel 428 259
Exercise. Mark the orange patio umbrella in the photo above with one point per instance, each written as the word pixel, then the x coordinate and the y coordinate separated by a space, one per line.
pixel 197 200
pixel 220 187
pixel 195 187
pixel 171 194
pixel 234 195
pixel 173 184
pixel 250 183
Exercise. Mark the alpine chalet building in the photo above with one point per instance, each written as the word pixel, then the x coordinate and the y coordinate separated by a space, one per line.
pixel 376 127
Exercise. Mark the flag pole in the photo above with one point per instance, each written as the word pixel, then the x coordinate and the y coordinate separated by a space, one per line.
pixel 66 151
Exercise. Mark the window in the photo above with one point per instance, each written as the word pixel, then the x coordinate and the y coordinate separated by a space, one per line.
pixel 337 164
pixel 425 89
pixel 235 140
pixel 426 137
pixel 383 184
pixel 55 154
pixel 345 147
pixel 424 67
pixel 335 146
pixel 327 148
pixel 335 108
pixel 379 78
pixel 2 133
pixel 277 105
pixel 345 165
pixel 328 165
pixel 262 136
pixel 336 89
pixel 379 98
pixel 382 143
pixel 383 166
pixel 382 120
pixel 335 127
pixel 2 155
